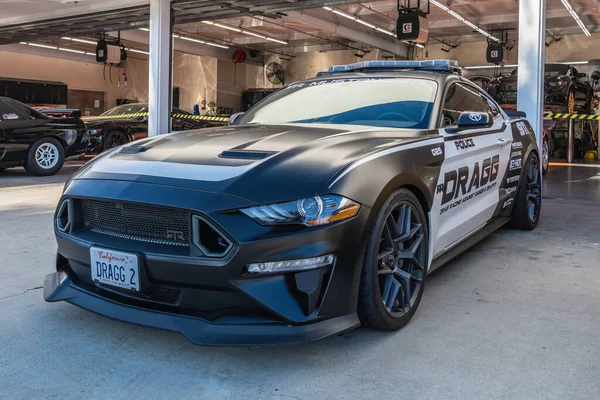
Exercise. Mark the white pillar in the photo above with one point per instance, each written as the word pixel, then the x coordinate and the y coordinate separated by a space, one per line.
pixel 159 64
pixel 532 55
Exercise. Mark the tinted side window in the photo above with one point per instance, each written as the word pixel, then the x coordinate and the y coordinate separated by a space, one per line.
pixel 5 108
pixel 24 112
pixel 460 98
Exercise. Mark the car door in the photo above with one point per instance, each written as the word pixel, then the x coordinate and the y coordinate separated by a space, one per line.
pixel 475 161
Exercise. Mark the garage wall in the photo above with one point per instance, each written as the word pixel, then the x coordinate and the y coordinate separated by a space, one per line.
pixel 570 48
pixel 191 73
pixel 77 75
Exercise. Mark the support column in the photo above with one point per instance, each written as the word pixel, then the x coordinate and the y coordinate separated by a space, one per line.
pixel 532 55
pixel 159 64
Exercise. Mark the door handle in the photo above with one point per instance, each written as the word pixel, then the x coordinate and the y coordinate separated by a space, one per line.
pixel 502 141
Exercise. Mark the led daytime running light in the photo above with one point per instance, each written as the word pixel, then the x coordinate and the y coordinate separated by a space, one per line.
pixel 290 265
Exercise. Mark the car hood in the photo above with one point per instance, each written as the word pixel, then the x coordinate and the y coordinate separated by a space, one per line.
pixel 255 162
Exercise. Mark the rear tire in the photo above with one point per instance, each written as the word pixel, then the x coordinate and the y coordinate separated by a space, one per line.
pixel 394 270
pixel 528 204
pixel 45 157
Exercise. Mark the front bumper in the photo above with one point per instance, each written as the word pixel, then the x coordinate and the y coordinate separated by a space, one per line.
pixel 214 301
pixel 59 286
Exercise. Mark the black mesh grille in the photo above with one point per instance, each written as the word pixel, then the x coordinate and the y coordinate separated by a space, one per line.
pixel 157 294
pixel 137 222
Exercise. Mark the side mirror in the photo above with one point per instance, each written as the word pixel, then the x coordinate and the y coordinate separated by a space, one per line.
pixel 233 118
pixel 472 119
pixel 582 75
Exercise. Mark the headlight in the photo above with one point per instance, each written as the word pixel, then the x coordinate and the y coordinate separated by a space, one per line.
pixel 312 211
pixel 70 136
pixel 93 131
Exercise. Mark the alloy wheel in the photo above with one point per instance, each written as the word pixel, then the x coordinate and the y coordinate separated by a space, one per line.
pixel 47 155
pixel 401 259
pixel 116 139
pixel 533 189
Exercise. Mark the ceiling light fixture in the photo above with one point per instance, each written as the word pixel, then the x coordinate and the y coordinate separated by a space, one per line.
pixel 78 40
pixel 189 39
pixel 464 21
pixel 576 17
pixel 71 50
pixel 365 23
pixel 137 51
pixel 45 46
pixel 244 31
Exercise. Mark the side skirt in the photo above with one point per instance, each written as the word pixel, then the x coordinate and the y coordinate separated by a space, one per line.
pixel 469 242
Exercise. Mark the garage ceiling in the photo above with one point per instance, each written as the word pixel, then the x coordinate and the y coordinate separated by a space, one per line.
pixel 289 27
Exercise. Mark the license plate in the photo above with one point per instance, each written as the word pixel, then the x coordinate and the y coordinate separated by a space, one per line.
pixel 115 268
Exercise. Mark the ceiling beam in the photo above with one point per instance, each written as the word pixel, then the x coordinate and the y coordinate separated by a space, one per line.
pixel 500 19
pixel 392 46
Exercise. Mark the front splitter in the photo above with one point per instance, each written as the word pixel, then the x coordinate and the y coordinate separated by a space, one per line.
pixel 59 286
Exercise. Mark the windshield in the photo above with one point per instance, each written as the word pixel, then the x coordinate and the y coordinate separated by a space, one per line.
pixel 126 109
pixel 385 102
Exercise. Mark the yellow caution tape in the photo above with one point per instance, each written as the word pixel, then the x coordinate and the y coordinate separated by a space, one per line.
pixel 145 114
pixel 579 117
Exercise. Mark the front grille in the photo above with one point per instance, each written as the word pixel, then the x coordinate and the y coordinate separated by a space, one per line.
pixel 157 294
pixel 137 222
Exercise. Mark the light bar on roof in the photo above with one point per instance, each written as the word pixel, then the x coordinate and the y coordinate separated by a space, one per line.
pixel 429 65
pixel 576 17
pixel 244 31
pixel 365 23
pixel 463 20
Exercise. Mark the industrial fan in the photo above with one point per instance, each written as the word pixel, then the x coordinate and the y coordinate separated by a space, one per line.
pixel 275 73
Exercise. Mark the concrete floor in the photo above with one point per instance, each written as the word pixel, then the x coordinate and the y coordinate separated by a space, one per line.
pixel 516 317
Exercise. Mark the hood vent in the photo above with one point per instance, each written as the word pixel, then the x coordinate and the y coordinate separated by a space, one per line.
pixel 133 149
pixel 247 154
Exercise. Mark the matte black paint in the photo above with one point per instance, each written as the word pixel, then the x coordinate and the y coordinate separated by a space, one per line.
pixel 363 164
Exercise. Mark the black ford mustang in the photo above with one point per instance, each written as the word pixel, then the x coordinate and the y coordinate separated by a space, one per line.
pixel 36 141
pixel 564 88
pixel 128 122
pixel 296 223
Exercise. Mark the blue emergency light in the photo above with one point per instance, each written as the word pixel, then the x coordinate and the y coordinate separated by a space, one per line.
pixel 425 65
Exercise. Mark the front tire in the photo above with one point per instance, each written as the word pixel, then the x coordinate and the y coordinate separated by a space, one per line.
pixel 114 139
pixel 394 270
pixel 526 212
pixel 45 157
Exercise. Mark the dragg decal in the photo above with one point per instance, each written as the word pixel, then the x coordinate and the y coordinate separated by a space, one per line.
pixel 468 182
